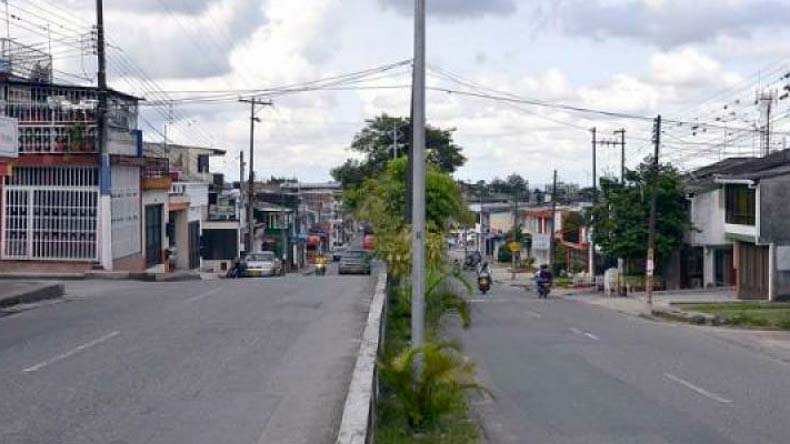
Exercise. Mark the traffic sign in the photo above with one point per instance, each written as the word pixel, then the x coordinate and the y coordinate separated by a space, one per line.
pixel 514 247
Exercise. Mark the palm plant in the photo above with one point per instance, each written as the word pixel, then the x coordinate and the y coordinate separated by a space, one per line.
pixel 424 397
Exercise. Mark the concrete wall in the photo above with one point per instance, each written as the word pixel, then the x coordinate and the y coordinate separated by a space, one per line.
pixel 707 218
pixel 781 277
pixel 774 210
pixel 501 221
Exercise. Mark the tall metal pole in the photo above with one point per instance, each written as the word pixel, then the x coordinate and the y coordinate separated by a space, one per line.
pixel 418 180
pixel 105 218
pixel 651 240
pixel 591 252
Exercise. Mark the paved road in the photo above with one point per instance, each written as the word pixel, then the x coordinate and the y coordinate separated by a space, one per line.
pixel 244 361
pixel 562 371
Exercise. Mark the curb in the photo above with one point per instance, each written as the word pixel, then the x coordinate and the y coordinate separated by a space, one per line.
pixel 685 316
pixel 106 276
pixel 356 425
pixel 37 292
pixel 33 276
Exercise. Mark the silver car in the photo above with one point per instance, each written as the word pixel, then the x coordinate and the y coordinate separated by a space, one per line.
pixel 354 262
pixel 264 263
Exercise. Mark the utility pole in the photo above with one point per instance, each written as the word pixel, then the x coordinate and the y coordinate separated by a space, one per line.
pixel 418 181
pixel 254 102
pixel 651 240
pixel 515 227
pixel 105 201
pixel 621 132
pixel 241 171
pixel 591 252
pixel 552 248
pixel 482 230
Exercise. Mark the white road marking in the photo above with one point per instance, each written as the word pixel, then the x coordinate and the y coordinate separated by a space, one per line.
pixel 699 390
pixel 535 315
pixel 202 295
pixel 71 352
pixel 576 331
pixel 591 336
pixel 494 300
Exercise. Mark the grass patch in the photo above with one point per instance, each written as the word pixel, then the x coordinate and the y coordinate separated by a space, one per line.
pixel 748 314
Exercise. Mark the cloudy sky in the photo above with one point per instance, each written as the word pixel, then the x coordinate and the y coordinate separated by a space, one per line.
pixel 685 60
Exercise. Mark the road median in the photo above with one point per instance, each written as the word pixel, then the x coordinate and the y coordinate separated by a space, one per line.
pixel 26 292
pixel 356 425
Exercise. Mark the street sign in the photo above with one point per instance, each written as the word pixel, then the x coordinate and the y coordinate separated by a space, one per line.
pixel 514 247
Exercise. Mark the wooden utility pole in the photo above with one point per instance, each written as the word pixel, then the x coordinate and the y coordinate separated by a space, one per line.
pixel 105 170
pixel 651 239
pixel 254 102
pixel 552 247
pixel 621 132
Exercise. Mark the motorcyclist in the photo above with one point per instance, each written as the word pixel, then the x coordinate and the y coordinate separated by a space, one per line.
pixel 484 278
pixel 544 278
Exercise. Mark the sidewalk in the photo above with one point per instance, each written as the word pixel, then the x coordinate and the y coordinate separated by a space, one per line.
pixel 636 303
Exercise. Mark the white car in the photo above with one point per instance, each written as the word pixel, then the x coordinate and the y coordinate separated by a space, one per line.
pixel 265 263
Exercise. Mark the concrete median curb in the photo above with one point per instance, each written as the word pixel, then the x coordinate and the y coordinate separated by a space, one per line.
pixel 356 425
pixel 32 292
pixel 686 316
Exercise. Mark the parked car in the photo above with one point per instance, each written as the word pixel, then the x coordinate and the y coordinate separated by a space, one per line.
pixel 337 253
pixel 354 262
pixel 265 263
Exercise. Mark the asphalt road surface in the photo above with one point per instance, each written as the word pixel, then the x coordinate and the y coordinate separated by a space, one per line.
pixel 250 361
pixel 562 371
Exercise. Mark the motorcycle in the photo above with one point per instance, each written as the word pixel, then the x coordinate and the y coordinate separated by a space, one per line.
pixel 472 261
pixel 237 270
pixel 484 282
pixel 544 288
pixel 320 266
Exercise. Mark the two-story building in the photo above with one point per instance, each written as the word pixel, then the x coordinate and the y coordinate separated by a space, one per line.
pixel 741 220
pixel 50 205
pixel 187 208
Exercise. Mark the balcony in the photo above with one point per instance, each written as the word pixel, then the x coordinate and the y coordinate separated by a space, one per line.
pixel 49 138
pixel 155 175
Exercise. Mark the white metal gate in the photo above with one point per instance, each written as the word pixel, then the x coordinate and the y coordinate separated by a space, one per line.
pixel 50 214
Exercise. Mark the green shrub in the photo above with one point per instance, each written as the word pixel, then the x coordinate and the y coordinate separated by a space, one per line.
pixel 424 398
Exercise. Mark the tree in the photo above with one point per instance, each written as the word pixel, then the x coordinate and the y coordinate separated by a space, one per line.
pixel 620 219
pixel 382 200
pixel 517 186
pixel 375 143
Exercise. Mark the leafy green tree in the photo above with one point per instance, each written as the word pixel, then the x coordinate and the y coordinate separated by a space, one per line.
pixel 382 200
pixel 620 219
pixel 375 143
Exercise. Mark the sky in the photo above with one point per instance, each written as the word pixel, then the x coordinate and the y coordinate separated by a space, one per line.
pixel 699 61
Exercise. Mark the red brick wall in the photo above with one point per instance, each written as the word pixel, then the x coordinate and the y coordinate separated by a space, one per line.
pixel 135 262
pixel 45 267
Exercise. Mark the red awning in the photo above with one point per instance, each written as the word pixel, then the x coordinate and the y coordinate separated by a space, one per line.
pixel 313 241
